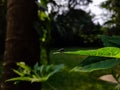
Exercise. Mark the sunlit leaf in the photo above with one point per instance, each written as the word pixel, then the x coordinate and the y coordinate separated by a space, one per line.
pixel 102 52
pixel 30 79
pixel 43 16
pixel 20 79
pixel 18 72
pixel 24 66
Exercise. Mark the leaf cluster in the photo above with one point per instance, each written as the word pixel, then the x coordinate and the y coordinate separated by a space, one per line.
pixel 102 58
pixel 39 73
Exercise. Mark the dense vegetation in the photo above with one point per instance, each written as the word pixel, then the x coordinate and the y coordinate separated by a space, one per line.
pixel 33 32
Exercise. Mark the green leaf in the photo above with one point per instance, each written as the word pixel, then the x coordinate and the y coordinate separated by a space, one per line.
pixel 19 79
pixel 23 66
pixel 44 2
pixel 43 16
pixel 91 60
pixel 18 72
pixel 57 68
pixel 23 69
pixel 102 52
pixel 30 79
pixel 35 67
pixel 49 70
pixel 106 64
pixel 110 41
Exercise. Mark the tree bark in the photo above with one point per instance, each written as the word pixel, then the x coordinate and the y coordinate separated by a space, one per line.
pixel 22 42
pixel 0 15
pixel 2 27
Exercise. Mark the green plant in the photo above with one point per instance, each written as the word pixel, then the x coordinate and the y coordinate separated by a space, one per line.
pixel 99 59
pixel 38 74
pixel 111 58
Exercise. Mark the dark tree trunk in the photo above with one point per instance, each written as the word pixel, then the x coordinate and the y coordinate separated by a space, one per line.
pixel 22 42
pixel 0 15
pixel 2 27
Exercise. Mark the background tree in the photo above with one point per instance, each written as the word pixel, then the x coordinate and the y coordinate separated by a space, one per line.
pixel 113 24
pixel 69 23
pixel 22 42
pixel 48 22
pixel 75 28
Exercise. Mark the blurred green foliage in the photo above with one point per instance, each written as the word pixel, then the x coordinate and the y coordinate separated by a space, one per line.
pixel 67 27
pixel 113 23
pixel 107 57
pixel 75 81
pixel 75 28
